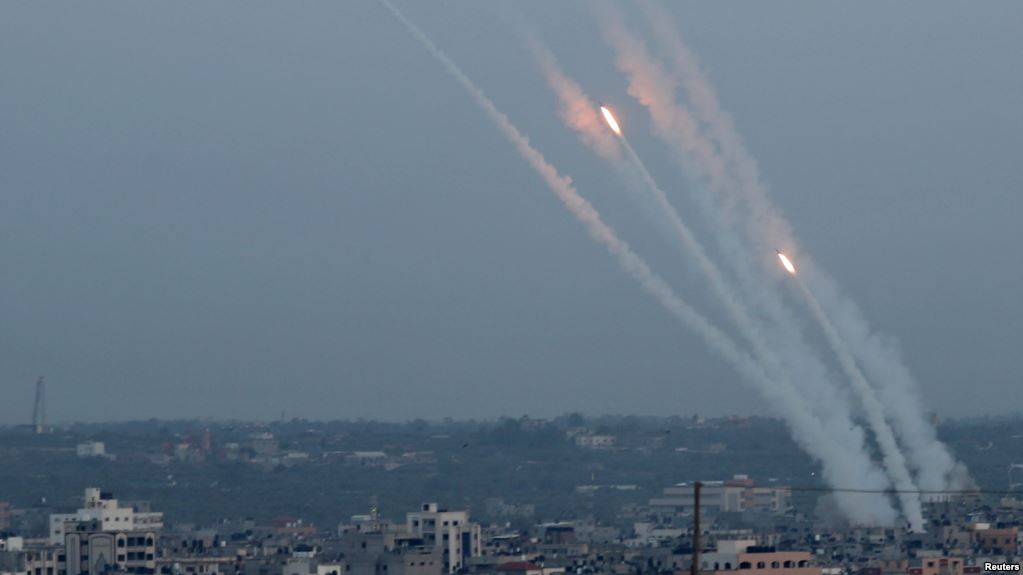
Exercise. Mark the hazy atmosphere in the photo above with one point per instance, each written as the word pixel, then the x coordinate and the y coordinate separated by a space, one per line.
pixel 239 209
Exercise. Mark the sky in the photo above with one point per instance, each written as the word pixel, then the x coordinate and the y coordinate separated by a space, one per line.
pixel 256 209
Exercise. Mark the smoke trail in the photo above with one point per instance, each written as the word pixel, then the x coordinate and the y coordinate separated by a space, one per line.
pixel 862 507
pixel 763 222
pixel 893 458
pixel 579 112
pixel 674 124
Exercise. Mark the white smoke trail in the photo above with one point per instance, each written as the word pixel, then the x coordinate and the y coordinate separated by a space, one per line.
pixel 810 435
pixel 579 112
pixel 894 460
pixel 763 222
pixel 673 123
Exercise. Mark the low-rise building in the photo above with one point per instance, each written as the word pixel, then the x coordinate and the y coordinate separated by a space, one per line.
pixel 595 441
pixel 738 494
pixel 92 449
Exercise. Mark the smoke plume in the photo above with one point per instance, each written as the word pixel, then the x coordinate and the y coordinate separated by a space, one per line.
pixel 579 113
pixel 751 208
pixel 863 507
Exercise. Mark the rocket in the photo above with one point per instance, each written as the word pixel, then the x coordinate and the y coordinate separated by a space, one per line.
pixel 786 262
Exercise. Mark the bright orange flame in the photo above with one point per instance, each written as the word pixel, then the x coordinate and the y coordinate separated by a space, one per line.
pixel 788 264
pixel 610 119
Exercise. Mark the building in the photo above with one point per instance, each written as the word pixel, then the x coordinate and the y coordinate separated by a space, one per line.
pixel 999 541
pixel 103 508
pixel 936 566
pixel 498 507
pixel 102 536
pixel 366 459
pixel 15 559
pixel 450 532
pixel 557 533
pixel 285 525
pixel 196 565
pixel 595 441
pixel 744 556
pixel 91 548
pixel 734 495
pixel 91 449
pixel 263 444
pixel 370 546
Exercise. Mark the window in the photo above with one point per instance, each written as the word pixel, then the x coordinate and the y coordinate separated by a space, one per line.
pixel 788 564
pixel 775 565
pixel 760 565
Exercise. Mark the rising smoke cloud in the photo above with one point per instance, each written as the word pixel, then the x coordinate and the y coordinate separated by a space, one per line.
pixel 674 123
pixel 862 507
pixel 763 222
pixel 723 163
pixel 894 460
pixel 579 112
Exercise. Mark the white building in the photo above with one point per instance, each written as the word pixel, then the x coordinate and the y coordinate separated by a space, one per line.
pixel 450 532
pixel 92 449
pixel 734 495
pixel 366 459
pixel 595 441
pixel 103 508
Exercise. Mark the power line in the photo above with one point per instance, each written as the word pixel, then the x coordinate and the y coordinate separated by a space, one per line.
pixel 916 491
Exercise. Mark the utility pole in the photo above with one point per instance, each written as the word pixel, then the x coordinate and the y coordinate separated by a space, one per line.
pixel 695 567
pixel 39 410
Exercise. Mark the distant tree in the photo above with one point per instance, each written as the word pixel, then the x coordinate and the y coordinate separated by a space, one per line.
pixel 575 419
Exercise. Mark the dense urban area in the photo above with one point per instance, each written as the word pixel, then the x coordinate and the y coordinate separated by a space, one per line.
pixel 513 496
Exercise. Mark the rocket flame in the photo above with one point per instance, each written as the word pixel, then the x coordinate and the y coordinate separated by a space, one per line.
pixel 787 263
pixel 610 119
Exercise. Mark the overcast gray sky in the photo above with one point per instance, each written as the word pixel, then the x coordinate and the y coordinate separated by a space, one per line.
pixel 230 209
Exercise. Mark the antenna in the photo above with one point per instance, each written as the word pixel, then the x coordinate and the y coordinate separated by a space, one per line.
pixel 39 410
